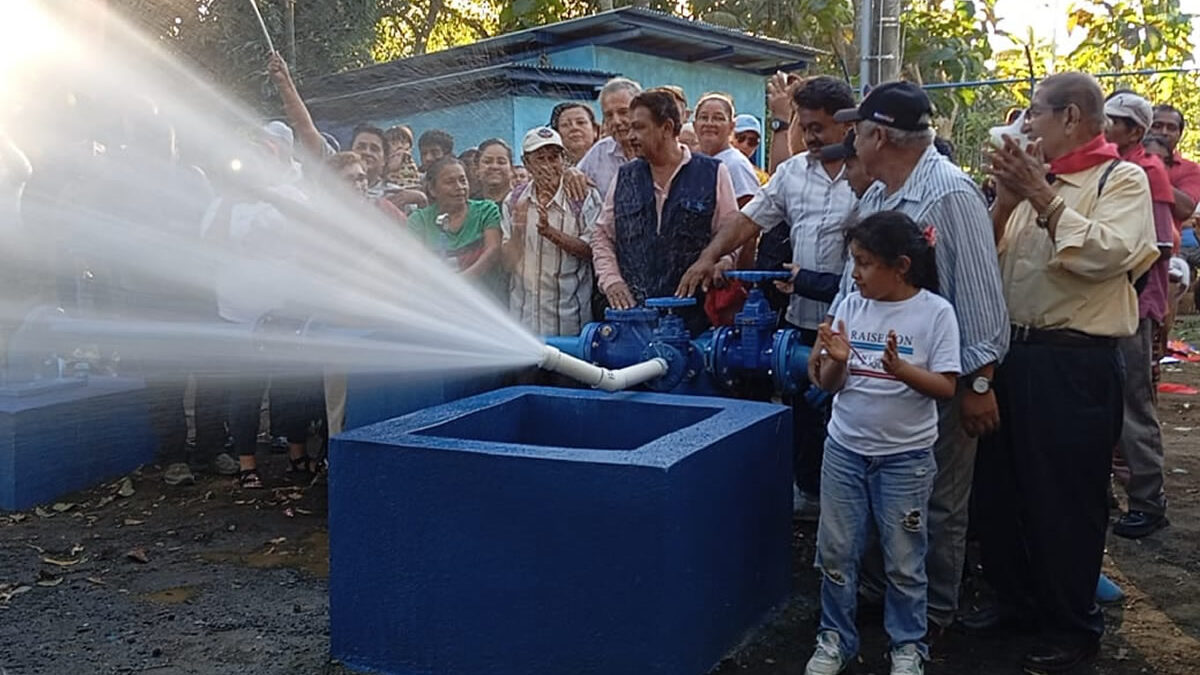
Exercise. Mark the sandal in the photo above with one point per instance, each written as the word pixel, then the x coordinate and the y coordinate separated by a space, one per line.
pixel 250 480
pixel 301 468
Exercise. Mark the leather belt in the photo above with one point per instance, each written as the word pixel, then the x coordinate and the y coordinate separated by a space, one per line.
pixel 1060 337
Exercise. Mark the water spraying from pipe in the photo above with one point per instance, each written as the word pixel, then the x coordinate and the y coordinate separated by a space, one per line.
pixel 157 206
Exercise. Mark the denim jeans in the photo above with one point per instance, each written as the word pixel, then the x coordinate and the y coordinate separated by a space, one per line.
pixel 894 491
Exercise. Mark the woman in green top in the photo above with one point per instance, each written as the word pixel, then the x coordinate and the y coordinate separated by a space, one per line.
pixel 465 232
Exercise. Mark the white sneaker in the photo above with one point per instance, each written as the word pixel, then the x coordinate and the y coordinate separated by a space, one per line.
pixel 828 659
pixel 907 661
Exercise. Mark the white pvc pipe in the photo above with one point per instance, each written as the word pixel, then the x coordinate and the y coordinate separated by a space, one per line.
pixel 601 378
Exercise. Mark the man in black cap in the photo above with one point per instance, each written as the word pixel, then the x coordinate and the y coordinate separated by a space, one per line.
pixel 894 138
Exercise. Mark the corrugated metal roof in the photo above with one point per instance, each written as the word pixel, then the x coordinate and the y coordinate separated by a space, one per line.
pixel 631 28
pixel 451 88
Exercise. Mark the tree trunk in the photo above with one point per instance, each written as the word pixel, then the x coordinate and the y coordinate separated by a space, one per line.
pixel 422 45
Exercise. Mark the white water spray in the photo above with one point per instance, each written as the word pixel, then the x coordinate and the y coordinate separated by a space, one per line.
pixel 109 228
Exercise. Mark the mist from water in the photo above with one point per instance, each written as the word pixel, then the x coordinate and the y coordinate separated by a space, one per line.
pixel 105 259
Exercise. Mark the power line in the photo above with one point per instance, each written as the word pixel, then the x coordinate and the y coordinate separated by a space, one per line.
pixel 1015 80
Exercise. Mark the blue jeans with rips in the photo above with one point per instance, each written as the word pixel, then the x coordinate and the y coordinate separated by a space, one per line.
pixel 893 490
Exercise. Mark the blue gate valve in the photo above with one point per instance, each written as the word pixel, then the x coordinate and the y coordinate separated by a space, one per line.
pixel 752 347
pixel 673 343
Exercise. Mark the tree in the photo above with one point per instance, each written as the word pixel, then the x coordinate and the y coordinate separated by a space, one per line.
pixel 1125 35
pixel 824 24
pixel 223 39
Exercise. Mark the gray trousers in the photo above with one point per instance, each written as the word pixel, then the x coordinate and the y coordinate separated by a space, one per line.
pixel 1141 437
pixel 947 519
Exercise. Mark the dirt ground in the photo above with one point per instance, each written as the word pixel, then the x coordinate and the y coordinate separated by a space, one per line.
pixel 213 579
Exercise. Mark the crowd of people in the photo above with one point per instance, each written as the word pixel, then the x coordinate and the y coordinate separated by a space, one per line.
pixel 1023 318
pixel 991 350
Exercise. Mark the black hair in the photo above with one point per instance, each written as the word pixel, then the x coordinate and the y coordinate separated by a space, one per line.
pixel 887 235
pixel 496 141
pixel 435 169
pixel 1167 107
pixel 570 105
pixel 437 138
pixel 944 146
pixel 1123 90
pixel 365 128
pixel 662 105
pixel 823 93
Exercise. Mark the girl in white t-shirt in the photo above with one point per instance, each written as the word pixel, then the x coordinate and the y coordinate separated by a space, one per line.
pixel 893 353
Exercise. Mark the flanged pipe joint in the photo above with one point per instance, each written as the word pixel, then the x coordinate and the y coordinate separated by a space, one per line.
pixel 728 359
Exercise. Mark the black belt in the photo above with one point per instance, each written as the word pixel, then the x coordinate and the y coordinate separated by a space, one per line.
pixel 1059 337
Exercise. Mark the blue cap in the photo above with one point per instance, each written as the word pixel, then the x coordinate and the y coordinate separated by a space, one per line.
pixel 746 123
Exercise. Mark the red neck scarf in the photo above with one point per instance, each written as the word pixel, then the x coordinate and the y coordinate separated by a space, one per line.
pixel 1095 151
pixel 1156 173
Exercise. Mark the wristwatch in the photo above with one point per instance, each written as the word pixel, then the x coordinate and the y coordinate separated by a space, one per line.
pixel 778 125
pixel 981 385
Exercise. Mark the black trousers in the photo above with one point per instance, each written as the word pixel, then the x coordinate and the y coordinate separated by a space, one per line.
pixel 1041 483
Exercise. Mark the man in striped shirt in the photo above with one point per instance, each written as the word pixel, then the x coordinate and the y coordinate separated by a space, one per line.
pixel 547 242
pixel 895 141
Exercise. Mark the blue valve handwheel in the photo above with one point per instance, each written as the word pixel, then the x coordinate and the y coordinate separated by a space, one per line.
pixel 755 276
pixel 670 301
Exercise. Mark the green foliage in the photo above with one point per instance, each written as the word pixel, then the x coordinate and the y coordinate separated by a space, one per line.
pixel 1124 35
pixel 223 39
pixel 824 24
pixel 410 27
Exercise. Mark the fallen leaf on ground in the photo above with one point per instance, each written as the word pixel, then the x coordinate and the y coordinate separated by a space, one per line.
pixel 95 580
pixel 62 507
pixel 107 499
pixel 126 489
pixel 138 555
pixel 37 548
pixel 76 549
pixel 1183 428
pixel 62 563
pixel 43 513
pixel 305 512
pixel 10 591
pixel 133 521
pixel 1179 472
pixel 47 579
pixel 278 540
pixel 17 517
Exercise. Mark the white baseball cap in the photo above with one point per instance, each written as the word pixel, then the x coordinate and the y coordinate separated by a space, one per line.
pixel 540 137
pixel 1130 106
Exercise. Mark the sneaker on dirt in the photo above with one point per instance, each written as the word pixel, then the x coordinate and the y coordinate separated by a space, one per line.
pixel 828 659
pixel 906 660
pixel 179 473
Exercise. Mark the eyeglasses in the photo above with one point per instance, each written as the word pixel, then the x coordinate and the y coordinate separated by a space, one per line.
pixel 1036 110
pixel 748 138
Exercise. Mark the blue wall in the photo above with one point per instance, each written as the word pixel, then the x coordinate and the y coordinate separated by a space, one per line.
pixel 510 117
pixel 748 90
pixel 469 123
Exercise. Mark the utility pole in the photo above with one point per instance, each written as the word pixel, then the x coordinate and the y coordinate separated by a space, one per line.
pixel 888 56
pixel 865 13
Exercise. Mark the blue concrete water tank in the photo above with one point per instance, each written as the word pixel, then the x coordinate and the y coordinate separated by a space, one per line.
pixel 63 440
pixel 542 531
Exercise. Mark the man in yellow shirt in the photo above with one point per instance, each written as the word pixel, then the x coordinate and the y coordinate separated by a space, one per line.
pixel 1072 238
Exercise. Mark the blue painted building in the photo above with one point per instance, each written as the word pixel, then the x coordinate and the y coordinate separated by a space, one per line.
pixel 503 86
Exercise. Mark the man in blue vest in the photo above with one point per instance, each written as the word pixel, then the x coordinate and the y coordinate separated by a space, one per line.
pixel 660 211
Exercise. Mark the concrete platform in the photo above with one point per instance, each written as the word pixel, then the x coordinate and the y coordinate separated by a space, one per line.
pixel 61 441
pixel 541 531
